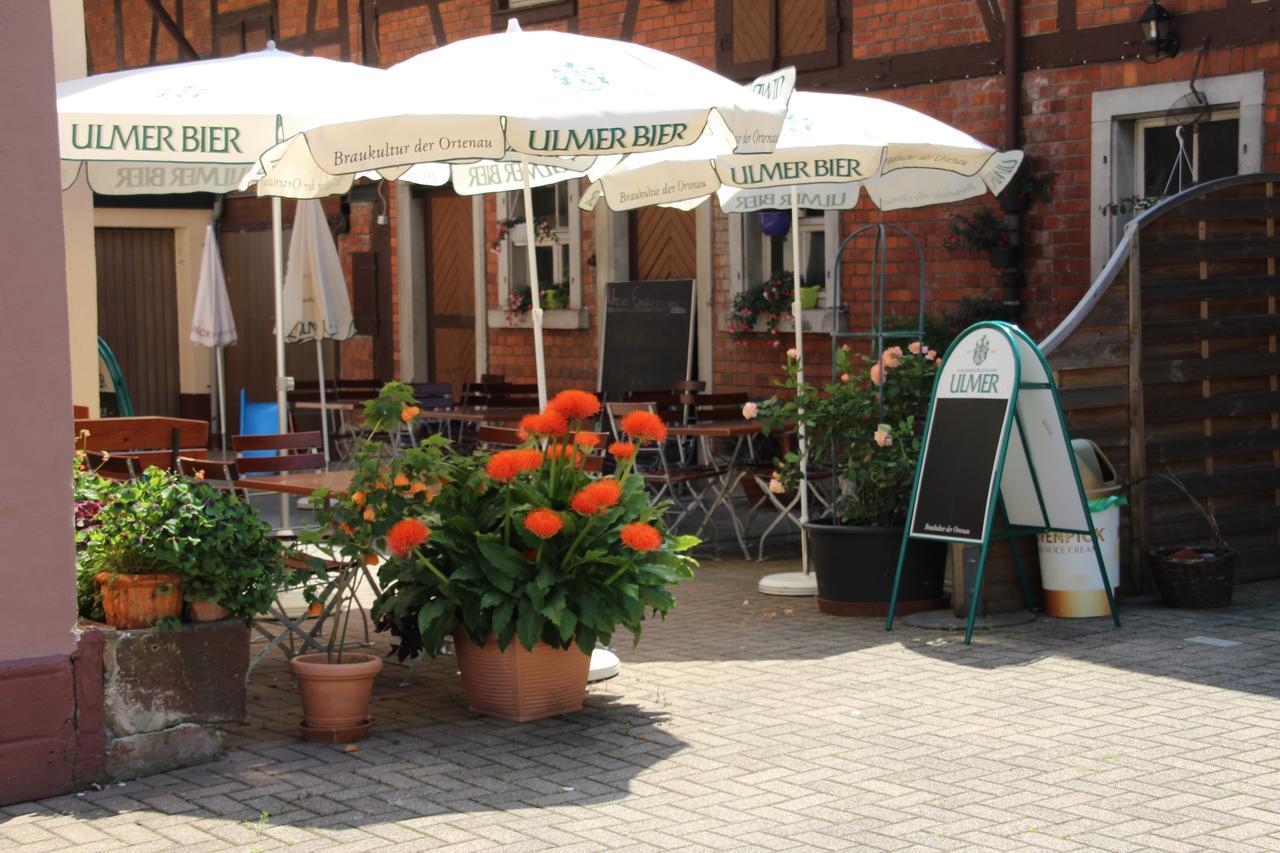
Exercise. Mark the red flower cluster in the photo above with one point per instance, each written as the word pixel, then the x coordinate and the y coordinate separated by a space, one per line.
pixel 575 405
pixel 622 450
pixel 586 439
pixel 407 534
pixel 597 497
pixel 504 465
pixel 639 536
pixel 550 423
pixel 645 427
pixel 543 522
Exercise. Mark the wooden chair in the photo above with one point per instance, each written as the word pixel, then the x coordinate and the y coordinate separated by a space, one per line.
pixel 148 440
pixel 291 451
pixel 113 467
pixel 689 488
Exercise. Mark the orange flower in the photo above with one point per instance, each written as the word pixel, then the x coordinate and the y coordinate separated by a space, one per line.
pixel 641 537
pixel 401 480
pixel 346 528
pixel 645 427
pixel 504 465
pixel 565 451
pixel 371 559
pixel 622 450
pixel 417 488
pixel 369 514
pixel 407 534
pixel 357 498
pixel 586 439
pixel 549 423
pixel 575 405
pixel 408 413
pixel 597 497
pixel 543 522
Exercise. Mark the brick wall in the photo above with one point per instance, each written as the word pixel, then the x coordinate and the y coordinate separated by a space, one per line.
pixel 1055 133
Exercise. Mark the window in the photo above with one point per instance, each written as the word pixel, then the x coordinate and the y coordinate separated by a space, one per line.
pixel 1171 158
pixel 1136 154
pixel 531 11
pixel 754 256
pixel 555 234
pixel 754 37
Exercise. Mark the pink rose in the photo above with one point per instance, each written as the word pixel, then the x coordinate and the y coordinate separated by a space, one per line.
pixel 791 353
pixel 914 347
pixel 891 357
pixel 882 437
pixel 875 374
pixel 775 486
pixel 750 410
pixel 931 355
pixel 844 377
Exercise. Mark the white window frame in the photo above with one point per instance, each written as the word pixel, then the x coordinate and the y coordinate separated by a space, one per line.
pixel 513 248
pixel 1140 144
pixel 748 269
pixel 1115 117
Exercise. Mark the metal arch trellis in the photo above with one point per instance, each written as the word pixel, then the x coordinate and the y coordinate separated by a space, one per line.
pixel 877 334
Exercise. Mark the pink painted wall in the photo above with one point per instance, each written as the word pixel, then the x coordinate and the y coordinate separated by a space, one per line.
pixel 37 555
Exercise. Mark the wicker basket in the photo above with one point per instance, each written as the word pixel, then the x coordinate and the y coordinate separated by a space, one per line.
pixel 1201 581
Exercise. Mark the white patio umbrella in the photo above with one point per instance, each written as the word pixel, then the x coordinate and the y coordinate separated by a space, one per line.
pixel 529 97
pixel 212 324
pixel 831 147
pixel 316 304
pixel 197 126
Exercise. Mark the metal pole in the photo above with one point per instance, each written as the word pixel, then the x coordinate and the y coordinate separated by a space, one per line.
pixel 222 397
pixel 797 315
pixel 324 413
pixel 531 256
pixel 277 255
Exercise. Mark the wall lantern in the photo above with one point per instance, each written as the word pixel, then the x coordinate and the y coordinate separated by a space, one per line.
pixel 1157 31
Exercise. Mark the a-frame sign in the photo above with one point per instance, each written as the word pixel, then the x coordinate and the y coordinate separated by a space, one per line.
pixel 995 434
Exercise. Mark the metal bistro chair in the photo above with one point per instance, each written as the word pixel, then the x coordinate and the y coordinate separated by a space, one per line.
pixel 225 474
pixel 688 488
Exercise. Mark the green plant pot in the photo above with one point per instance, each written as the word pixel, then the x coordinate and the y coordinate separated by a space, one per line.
pixel 552 299
pixel 809 296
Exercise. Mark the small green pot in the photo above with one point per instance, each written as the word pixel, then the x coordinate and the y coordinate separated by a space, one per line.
pixel 809 296
pixel 552 299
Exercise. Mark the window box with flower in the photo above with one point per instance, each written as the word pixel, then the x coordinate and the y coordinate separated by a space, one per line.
pixel 524 557
pixel 556 249
pixel 864 426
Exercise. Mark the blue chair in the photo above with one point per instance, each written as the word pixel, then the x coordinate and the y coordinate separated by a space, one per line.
pixel 258 419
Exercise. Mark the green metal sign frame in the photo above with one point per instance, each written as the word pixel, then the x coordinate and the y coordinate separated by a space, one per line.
pixel 1012 420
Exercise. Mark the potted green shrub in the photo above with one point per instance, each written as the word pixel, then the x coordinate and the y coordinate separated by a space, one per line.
pixel 865 426
pixel 525 558
pixel 237 567
pixel 769 301
pixel 983 231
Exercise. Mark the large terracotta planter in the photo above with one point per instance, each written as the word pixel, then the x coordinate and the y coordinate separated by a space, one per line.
pixel 518 684
pixel 854 568
pixel 139 601
pixel 335 696
pixel 206 610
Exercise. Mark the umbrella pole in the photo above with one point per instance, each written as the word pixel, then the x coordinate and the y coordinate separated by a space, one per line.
pixel 222 396
pixel 277 253
pixel 324 411
pixel 801 582
pixel 531 257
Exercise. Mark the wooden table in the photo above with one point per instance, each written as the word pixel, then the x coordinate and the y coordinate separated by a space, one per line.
pixel 473 415
pixel 730 474
pixel 338 482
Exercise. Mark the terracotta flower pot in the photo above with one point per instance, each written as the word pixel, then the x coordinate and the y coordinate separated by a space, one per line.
pixel 206 610
pixel 335 696
pixel 518 684
pixel 139 601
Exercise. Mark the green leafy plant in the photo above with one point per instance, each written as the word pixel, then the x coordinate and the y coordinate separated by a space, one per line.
pixel 163 523
pixel 521 543
pixel 865 424
pixel 520 299
pixel 1029 185
pixel 1129 204
pixel 983 230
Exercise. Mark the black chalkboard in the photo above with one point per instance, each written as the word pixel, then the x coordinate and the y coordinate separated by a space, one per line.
pixel 648 336
pixel 956 468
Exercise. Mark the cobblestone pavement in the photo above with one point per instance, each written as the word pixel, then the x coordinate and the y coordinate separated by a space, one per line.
pixel 754 722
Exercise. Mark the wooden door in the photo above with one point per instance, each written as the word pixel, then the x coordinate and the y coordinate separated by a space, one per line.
pixel 138 313
pixel 451 311
pixel 664 244
pixel 251 363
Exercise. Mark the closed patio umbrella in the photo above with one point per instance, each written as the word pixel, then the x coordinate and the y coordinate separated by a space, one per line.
pixel 832 146
pixel 197 126
pixel 316 304
pixel 524 96
pixel 212 324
